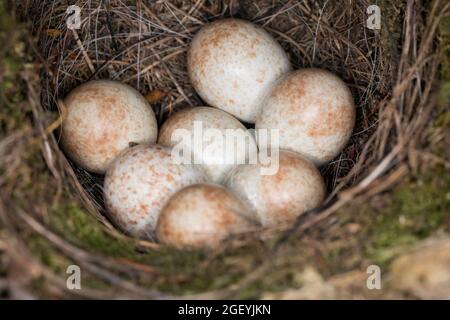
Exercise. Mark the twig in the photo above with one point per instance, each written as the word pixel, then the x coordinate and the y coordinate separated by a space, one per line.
pixel 83 50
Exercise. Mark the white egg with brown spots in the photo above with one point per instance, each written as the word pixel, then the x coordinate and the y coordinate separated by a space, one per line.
pixel 314 112
pixel 103 118
pixel 233 63
pixel 209 137
pixel 202 216
pixel 138 184
pixel 295 188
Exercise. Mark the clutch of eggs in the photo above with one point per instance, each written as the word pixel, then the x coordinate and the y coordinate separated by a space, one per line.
pixel 103 118
pixel 241 71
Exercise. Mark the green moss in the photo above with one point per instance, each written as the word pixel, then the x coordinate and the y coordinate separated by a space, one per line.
pixel 444 91
pixel 444 38
pixel 12 61
pixel 444 119
pixel 80 228
pixel 44 251
pixel 412 212
pixel 178 271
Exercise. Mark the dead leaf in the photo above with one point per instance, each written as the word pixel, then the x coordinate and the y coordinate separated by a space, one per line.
pixel 156 95
pixel 73 55
pixel 53 32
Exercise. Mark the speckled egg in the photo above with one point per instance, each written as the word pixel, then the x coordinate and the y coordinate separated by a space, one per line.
pixel 138 184
pixel 233 63
pixel 103 118
pixel 314 112
pixel 296 187
pixel 211 138
pixel 202 216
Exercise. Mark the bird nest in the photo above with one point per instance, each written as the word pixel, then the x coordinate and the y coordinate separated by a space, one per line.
pixel 390 70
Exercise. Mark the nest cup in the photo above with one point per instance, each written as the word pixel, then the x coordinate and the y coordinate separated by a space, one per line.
pixel 144 44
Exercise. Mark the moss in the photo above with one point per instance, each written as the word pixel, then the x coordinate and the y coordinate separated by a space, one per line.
pixel 12 62
pixel 386 225
pixel 411 213
pixel 178 271
pixel 444 38
pixel 443 121
pixel 444 88
pixel 47 254
pixel 444 91
pixel 79 227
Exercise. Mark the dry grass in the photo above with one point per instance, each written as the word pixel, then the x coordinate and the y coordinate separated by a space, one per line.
pixel 391 73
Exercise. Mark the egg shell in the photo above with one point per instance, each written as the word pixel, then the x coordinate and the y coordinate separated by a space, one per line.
pixel 215 158
pixel 296 187
pixel 103 118
pixel 233 63
pixel 138 184
pixel 314 112
pixel 202 216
